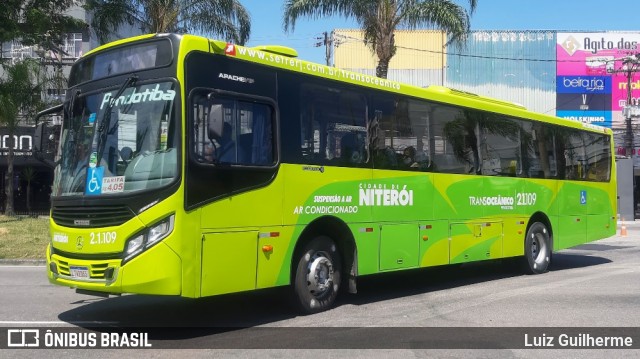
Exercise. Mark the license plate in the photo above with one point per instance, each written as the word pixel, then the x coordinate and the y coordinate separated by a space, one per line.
pixel 79 272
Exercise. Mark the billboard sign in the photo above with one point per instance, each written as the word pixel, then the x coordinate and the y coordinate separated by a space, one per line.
pixel 588 88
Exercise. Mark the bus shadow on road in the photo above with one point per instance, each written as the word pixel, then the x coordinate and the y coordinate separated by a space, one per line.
pixel 391 286
pixel 238 310
pixel 564 260
pixel 223 313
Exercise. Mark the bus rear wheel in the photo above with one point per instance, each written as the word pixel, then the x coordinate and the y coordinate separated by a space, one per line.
pixel 537 249
pixel 317 278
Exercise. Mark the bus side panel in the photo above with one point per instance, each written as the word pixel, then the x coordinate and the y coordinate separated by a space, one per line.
pixel 272 255
pixel 401 199
pixel 399 246
pixel 514 229
pixel 230 228
pixel 313 192
pixel 600 216
pixel 475 241
pixel 572 210
pixel 367 236
pixel 503 192
pixel 254 208
pixel 457 197
pixel 434 243
pixel 599 226
pixel 408 196
pixel 316 191
pixel 228 262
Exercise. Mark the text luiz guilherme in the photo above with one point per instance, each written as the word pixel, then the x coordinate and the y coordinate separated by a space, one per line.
pixel 582 340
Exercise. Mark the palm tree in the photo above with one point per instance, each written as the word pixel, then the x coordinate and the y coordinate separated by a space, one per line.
pixel 379 19
pixel 20 90
pixel 227 18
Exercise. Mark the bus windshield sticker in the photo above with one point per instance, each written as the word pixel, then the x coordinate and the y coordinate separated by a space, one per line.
pixel 93 159
pixel 113 184
pixel 94 180
pixel 92 118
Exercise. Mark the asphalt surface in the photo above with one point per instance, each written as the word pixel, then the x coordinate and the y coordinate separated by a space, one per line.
pixel 475 306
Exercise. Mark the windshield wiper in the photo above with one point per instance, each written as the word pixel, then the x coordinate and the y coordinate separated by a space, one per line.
pixel 106 118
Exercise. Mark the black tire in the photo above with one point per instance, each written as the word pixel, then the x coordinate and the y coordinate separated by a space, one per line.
pixel 317 277
pixel 537 249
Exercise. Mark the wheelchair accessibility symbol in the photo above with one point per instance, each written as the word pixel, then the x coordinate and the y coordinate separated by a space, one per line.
pixel 94 180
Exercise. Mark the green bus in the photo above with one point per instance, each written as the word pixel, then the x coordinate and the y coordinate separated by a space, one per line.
pixel 193 167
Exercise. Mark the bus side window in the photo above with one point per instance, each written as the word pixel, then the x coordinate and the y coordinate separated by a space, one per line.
pixel 400 134
pixel 242 133
pixel 539 155
pixel 572 153
pixel 460 132
pixel 598 157
pixel 332 126
pixel 500 145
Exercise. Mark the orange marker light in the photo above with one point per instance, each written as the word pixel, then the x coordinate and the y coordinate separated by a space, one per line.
pixel 267 248
pixel 425 238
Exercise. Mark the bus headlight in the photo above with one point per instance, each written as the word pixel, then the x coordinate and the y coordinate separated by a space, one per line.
pixel 148 237
pixel 134 245
pixel 160 231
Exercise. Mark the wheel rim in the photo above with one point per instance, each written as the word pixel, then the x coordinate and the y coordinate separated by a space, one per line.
pixel 538 248
pixel 319 274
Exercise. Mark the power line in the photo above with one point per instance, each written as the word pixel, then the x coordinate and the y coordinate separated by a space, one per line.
pixel 479 56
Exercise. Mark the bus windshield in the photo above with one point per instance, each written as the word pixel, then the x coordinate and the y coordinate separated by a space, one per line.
pixel 121 140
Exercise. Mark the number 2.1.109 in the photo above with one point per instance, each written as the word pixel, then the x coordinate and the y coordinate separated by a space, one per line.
pixel 103 237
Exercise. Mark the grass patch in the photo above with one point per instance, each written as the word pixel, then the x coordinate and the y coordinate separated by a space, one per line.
pixel 23 237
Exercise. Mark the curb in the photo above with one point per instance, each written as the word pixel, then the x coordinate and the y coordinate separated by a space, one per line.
pixel 23 262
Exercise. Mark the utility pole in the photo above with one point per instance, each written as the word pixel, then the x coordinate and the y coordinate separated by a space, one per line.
pixel 630 66
pixel 327 42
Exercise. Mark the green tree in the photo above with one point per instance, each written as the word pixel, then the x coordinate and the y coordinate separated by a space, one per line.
pixel 37 22
pixel 227 18
pixel 20 90
pixel 379 19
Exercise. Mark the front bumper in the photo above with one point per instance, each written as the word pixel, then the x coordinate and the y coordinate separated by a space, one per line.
pixel 156 271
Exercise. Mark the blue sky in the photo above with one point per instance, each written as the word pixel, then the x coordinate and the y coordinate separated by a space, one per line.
pixel 589 15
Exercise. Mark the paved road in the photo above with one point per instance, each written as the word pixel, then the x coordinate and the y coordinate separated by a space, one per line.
pixel 594 285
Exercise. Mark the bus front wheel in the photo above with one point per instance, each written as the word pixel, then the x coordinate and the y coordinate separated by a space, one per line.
pixel 317 277
pixel 537 249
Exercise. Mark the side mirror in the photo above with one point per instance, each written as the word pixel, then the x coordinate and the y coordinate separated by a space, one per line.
pixel 38 138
